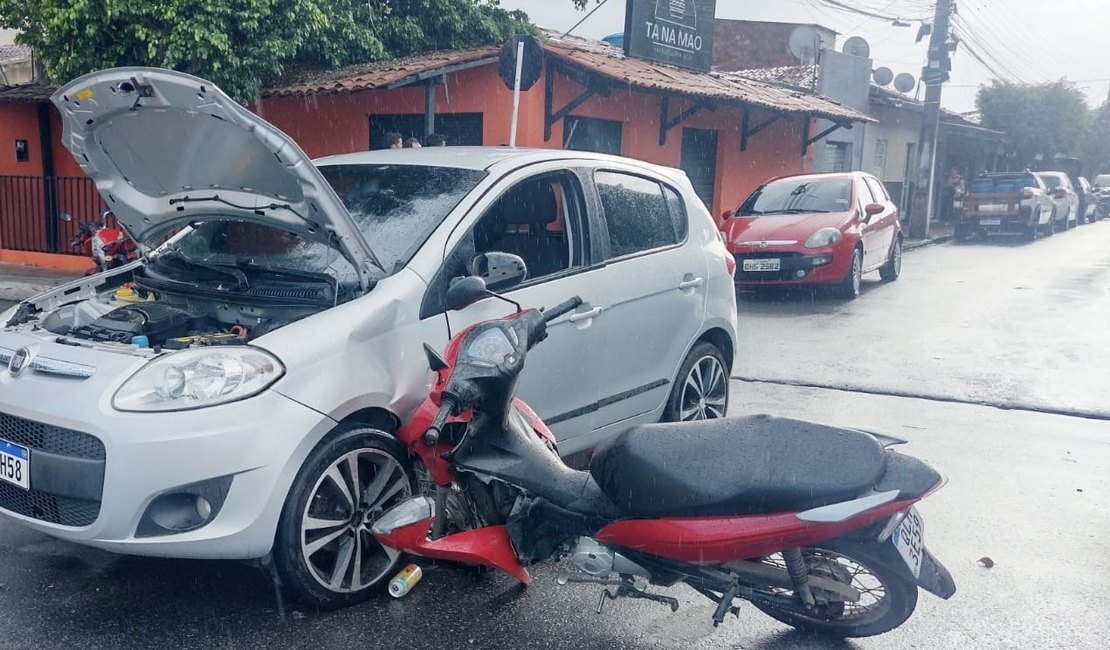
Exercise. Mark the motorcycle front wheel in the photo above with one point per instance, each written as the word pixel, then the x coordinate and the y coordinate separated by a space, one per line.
pixel 887 596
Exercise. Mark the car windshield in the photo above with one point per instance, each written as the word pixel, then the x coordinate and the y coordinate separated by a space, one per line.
pixel 799 196
pixel 396 207
pixel 1006 183
pixel 1051 181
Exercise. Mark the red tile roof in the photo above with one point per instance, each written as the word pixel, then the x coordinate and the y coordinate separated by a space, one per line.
pixel 379 74
pixel 802 77
pixel 14 52
pixel 610 62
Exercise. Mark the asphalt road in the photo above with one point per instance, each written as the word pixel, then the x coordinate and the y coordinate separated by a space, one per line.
pixel 1029 490
pixel 1001 322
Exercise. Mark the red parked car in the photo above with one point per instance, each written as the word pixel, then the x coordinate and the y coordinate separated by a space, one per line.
pixel 825 229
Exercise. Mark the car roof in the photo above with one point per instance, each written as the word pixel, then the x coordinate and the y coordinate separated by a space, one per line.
pixel 482 158
pixel 819 176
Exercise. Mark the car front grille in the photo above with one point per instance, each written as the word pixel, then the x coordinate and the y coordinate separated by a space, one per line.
pixel 54 509
pixel 45 437
pixel 47 507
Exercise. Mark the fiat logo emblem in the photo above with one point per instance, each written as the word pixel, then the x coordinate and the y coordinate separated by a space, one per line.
pixel 19 361
pixel 763 244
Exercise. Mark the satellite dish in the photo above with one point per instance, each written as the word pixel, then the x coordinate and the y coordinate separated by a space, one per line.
pixel 883 76
pixel 857 46
pixel 905 82
pixel 805 43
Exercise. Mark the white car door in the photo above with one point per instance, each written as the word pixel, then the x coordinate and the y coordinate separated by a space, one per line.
pixel 653 296
pixel 541 217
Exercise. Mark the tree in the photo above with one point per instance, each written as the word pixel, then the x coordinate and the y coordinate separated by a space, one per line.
pixel 242 45
pixel 1039 120
pixel 1096 150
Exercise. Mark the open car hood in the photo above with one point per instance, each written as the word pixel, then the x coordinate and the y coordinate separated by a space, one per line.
pixel 167 149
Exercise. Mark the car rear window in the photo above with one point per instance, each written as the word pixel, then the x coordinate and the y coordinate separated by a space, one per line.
pixel 1102 180
pixel 1002 184
pixel 1051 181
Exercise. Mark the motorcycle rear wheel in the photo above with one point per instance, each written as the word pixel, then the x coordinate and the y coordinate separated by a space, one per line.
pixel 888 596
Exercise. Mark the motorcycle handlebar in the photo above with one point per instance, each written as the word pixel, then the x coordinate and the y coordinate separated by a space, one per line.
pixel 431 436
pixel 561 309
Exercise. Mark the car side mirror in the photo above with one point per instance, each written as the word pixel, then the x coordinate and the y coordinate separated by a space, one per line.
pixel 464 292
pixel 500 271
pixel 874 208
pixel 727 214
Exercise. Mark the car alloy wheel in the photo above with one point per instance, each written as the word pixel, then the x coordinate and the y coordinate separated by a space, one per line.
pixel 353 492
pixel 705 392
pixel 323 551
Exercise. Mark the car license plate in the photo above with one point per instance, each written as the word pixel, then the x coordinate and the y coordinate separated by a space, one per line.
pixel 909 539
pixel 990 222
pixel 15 464
pixel 768 264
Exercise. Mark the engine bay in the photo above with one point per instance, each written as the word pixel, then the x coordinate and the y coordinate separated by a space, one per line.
pixel 125 312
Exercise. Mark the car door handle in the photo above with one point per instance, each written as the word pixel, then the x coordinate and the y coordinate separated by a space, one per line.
pixel 584 315
pixel 690 284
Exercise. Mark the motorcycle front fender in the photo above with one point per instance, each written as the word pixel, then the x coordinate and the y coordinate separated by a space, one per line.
pixel 489 546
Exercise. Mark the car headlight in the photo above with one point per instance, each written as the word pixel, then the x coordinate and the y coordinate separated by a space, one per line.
pixel 824 237
pixel 197 378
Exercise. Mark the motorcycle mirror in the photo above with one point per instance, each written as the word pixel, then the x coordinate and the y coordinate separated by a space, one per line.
pixel 464 292
pixel 66 217
pixel 500 270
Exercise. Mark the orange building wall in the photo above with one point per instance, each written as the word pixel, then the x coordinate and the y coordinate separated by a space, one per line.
pixel 340 123
pixel 19 121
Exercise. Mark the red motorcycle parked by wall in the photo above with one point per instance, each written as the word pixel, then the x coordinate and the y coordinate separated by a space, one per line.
pixel 104 241
pixel 814 525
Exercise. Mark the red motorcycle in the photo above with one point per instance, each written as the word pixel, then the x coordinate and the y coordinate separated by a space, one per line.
pixel 104 241
pixel 814 525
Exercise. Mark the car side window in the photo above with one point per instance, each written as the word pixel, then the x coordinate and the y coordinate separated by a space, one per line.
pixel 877 190
pixel 638 215
pixel 864 193
pixel 538 219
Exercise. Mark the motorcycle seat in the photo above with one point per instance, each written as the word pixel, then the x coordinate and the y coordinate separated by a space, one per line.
pixel 735 466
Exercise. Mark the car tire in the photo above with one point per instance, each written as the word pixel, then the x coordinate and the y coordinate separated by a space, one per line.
pixel 700 390
pixel 316 561
pixel 890 271
pixel 1034 229
pixel 849 287
pixel 962 232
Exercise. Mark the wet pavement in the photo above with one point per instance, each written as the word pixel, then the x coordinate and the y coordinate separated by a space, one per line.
pixel 999 323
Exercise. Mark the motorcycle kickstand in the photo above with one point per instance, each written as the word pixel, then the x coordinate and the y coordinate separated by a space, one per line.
pixel 627 589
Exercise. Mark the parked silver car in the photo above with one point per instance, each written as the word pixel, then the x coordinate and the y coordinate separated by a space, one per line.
pixel 1065 198
pixel 211 399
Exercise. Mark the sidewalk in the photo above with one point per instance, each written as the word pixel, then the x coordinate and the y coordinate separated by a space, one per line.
pixel 939 232
pixel 19 282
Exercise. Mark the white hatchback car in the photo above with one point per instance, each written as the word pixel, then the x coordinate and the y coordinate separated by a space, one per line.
pixel 199 402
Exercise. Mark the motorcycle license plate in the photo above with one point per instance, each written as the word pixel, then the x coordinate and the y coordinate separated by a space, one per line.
pixel 15 464
pixel 909 539
pixel 767 264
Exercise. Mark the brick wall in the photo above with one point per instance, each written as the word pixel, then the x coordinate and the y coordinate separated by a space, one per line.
pixel 746 44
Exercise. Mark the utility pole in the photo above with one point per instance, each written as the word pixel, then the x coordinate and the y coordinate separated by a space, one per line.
pixel 934 76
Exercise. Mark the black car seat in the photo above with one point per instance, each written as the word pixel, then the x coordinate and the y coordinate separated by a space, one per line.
pixel 522 217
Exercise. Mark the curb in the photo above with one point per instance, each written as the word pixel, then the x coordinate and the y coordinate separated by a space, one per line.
pixel 922 243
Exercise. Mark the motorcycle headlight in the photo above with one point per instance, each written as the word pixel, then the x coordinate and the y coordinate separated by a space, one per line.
pixel 824 237
pixel 197 378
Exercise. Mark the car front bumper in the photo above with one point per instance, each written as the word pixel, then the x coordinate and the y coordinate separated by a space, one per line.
pixel 119 481
pixel 813 266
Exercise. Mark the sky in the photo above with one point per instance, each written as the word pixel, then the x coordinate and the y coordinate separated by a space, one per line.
pixel 1027 41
